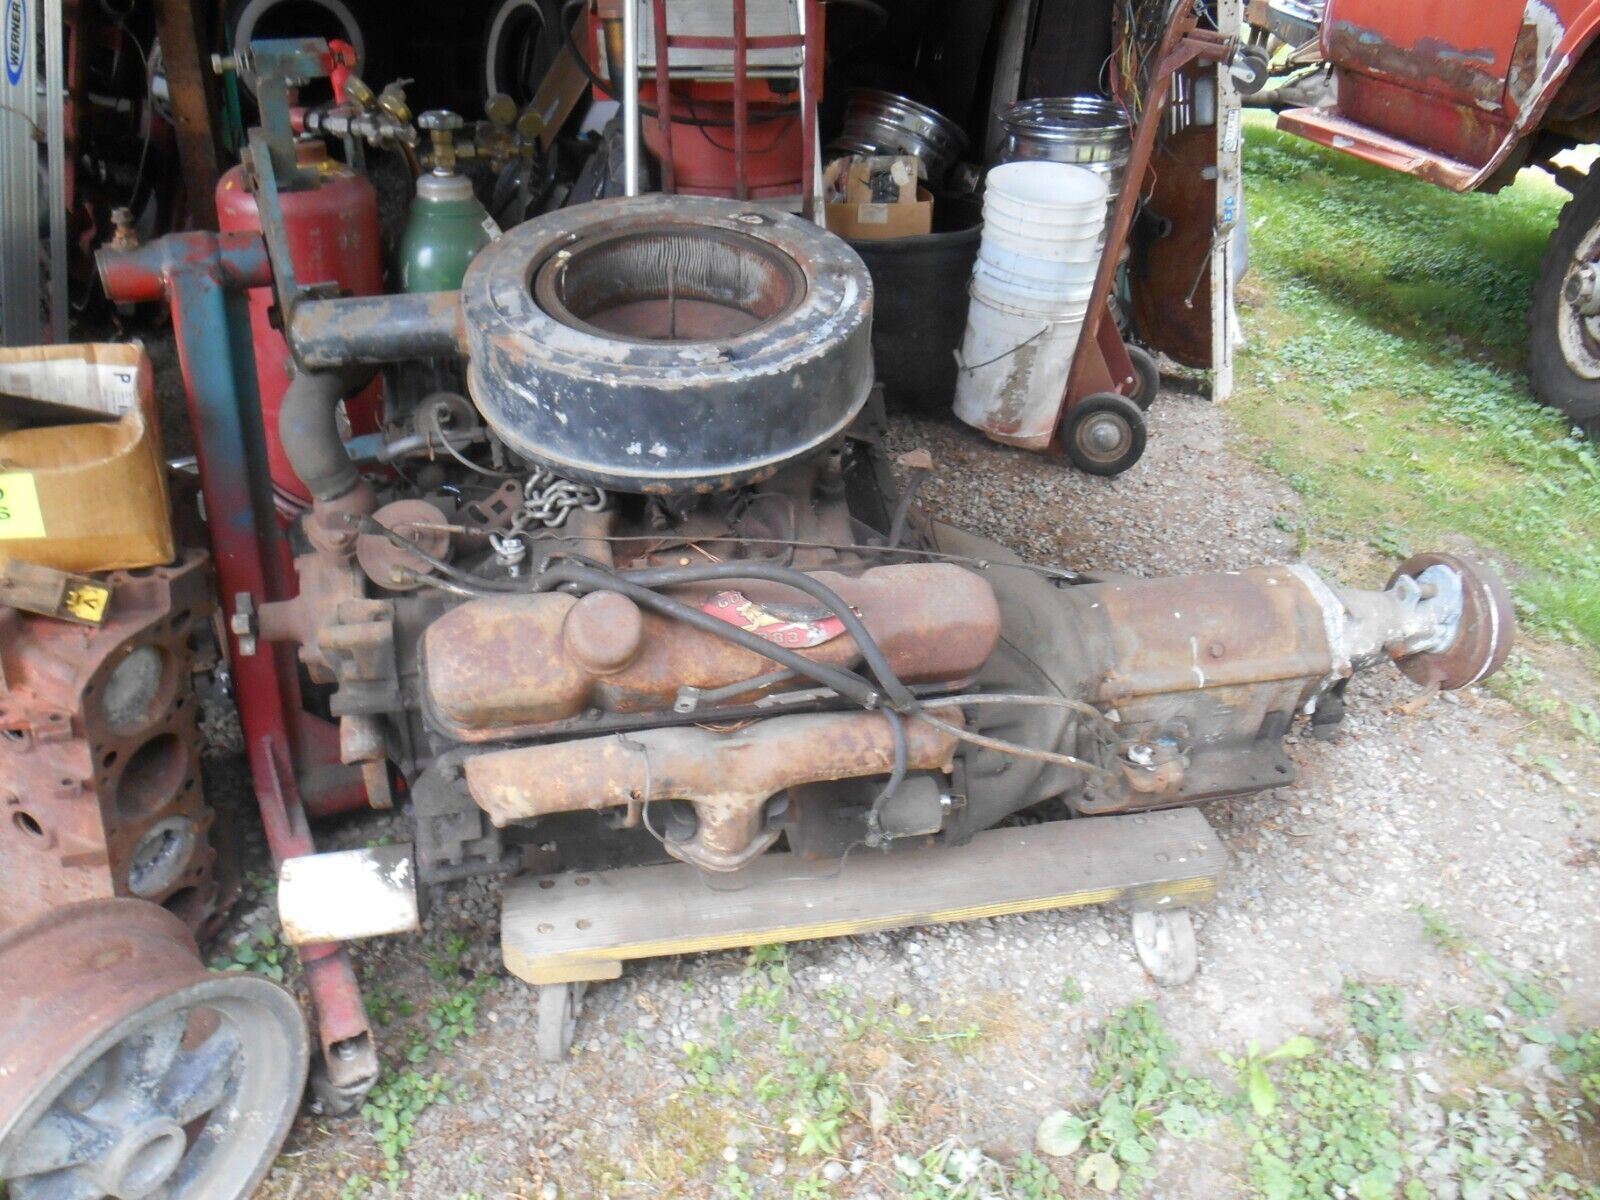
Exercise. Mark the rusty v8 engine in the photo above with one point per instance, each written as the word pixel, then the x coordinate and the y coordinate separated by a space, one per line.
pixel 635 583
pixel 611 588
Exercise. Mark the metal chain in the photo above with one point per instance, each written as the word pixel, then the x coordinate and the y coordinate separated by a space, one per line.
pixel 547 499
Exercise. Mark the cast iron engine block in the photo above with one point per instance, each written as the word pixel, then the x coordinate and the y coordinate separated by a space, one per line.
pixel 649 590
pixel 100 754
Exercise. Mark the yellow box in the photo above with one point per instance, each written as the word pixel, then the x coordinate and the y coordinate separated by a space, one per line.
pixel 90 496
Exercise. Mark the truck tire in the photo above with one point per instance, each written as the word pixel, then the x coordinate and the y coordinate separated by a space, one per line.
pixel 520 41
pixel 348 20
pixel 1564 346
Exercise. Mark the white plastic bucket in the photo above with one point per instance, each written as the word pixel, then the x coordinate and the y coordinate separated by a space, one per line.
pixel 1046 193
pixel 1084 245
pixel 1051 211
pixel 1012 370
pixel 1060 304
pixel 1070 226
pixel 1024 280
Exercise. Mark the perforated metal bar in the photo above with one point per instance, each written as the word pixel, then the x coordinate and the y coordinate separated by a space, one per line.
pixel 741 99
pixel 20 265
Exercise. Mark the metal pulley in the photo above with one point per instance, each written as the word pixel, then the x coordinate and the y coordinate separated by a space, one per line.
pixel 130 1070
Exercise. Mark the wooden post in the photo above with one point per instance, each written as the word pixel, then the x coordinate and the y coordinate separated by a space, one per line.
pixel 186 48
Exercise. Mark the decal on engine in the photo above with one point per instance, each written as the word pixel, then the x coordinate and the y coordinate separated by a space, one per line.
pixel 797 634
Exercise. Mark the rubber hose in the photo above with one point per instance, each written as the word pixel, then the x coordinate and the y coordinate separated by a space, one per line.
pixel 308 429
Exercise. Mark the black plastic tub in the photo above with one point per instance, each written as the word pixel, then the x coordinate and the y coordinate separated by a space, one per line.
pixel 920 305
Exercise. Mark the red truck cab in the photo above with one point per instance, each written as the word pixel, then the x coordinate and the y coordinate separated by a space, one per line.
pixel 1464 95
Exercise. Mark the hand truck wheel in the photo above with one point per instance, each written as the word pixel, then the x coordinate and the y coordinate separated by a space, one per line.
pixel 1104 434
pixel 1147 376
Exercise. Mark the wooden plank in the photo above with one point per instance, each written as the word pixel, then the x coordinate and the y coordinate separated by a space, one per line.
pixel 53 593
pixel 1007 84
pixel 573 927
pixel 559 91
pixel 1070 41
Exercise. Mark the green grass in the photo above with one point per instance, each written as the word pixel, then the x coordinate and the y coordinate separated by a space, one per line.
pixel 1385 376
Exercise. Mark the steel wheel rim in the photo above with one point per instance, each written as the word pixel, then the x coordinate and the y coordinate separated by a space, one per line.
pixel 185 1098
pixel 1577 334
pixel 1103 437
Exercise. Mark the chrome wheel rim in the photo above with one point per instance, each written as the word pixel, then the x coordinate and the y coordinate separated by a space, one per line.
pixel 1104 437
pixel 1577 331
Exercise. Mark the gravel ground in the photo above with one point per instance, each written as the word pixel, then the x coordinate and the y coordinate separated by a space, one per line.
pixel 1399 809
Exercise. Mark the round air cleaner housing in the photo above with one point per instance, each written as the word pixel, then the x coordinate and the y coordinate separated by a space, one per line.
pixel 668 344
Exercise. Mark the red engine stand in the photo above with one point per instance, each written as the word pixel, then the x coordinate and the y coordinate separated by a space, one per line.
pixel 294 756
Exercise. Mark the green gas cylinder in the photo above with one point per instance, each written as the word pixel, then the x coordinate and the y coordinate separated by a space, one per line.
pixel 447 226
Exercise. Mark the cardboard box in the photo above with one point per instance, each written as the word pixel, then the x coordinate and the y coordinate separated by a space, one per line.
pixel 873 198
pixel 90 495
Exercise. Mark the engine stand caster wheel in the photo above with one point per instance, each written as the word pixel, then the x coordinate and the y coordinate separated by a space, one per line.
pixel 1104 434
pixel 1147 376
pixel 558 1019
pixel 1165 944
pixel 131 1071
pixel 338 1092
pixel 1250 69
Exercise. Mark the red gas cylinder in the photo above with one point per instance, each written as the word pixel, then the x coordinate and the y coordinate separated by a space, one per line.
pixel 333 236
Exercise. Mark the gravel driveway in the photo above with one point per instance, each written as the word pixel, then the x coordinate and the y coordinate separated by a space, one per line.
pixel 974 1032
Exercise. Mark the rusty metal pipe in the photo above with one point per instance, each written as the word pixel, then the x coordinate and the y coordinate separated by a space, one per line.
pixel 611 28
pixel 728 777
pixel 144 274
pixel 370 330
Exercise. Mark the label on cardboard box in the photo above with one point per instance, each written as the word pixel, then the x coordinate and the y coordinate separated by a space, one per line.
pixel 872 214
pixel 20 516
pixel 108 388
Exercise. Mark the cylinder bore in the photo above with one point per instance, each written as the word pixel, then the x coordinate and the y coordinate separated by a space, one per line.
pixel 162 855
pixel 668 344
pixel 669 284
pixel 153 775
pixel 135 692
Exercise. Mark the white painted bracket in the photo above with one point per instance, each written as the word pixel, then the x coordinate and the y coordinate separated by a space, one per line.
pixel 348 894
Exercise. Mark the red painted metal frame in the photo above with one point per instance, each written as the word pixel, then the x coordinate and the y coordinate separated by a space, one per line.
pixel 741 43
pixel 203 276
pixel 1101 362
